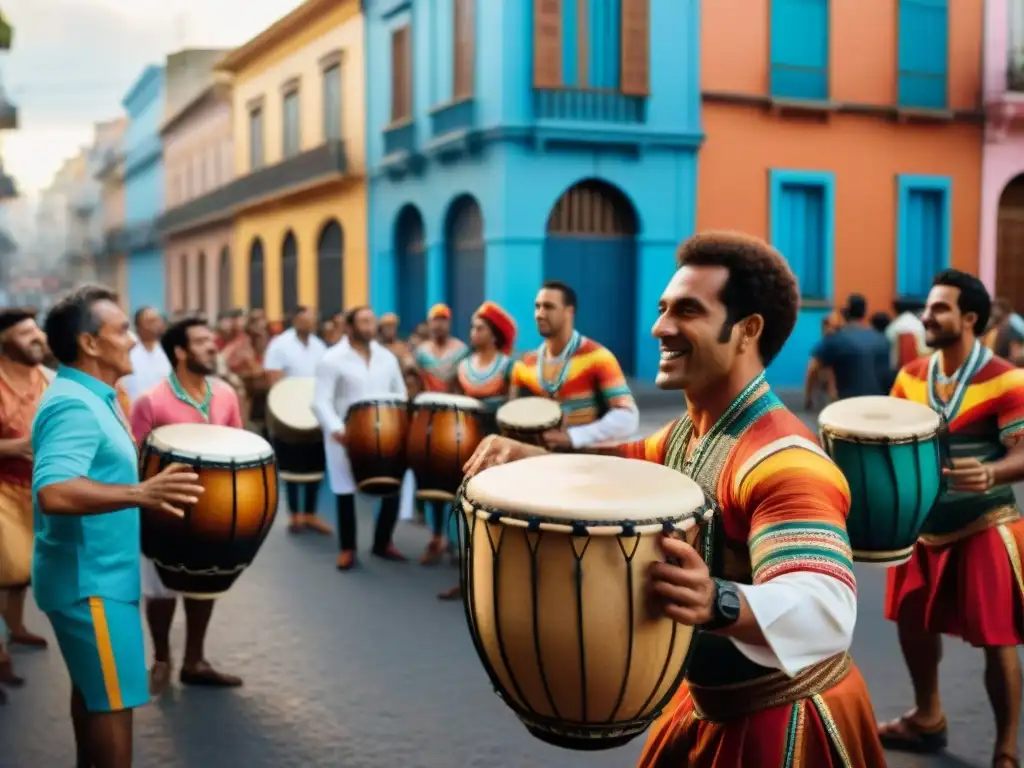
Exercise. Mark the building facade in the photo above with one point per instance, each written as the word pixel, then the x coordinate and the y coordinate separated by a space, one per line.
pixel 112 265
pixel 299 196
pixel 144 189
pixel 198 166
pixel 1002 191
pixel 515 142
pixel 849 135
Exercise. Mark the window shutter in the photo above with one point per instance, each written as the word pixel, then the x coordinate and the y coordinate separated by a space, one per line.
pixel 636 54
pixel 465 44
pixel 547 43
pixel 401 74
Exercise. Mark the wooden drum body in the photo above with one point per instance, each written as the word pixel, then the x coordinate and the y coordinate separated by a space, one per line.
pixel 444 432
pixel 555 552
pixel 294 431
pixel 376 429
pixel 202 554
pixel 891 451
pixel 526 419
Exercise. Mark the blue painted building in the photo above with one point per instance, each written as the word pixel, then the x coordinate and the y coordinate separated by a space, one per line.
pixel 144 188
pixel 508 145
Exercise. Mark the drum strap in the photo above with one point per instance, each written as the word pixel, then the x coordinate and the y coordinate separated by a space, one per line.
pixel 720 704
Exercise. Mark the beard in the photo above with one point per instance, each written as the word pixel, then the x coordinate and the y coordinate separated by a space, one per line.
pixel 939 339
pixel 200 368
pixel 33 354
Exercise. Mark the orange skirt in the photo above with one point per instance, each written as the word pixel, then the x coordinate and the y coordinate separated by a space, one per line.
pixel 834 729
pixel 15 535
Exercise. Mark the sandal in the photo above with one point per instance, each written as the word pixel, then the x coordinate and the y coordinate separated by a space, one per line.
pixel 904 734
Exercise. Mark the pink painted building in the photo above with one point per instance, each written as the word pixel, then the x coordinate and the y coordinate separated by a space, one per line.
pixel 198 151
pixel 1001 261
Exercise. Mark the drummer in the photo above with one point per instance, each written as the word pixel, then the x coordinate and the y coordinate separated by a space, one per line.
pixel 438 358
pixel 22 382
pixel 189 395
pixel 296 352
pixel 583 376
pixel 356 368
pixel 770 672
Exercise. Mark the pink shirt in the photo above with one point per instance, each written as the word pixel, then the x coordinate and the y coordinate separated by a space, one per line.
pixel 160 406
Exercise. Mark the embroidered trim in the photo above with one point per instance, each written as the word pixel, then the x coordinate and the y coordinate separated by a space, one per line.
pixel 793 756
pixel 565 358
pixel 793 441
pixel 801 545
pixel 1015 556
pixel 998 516
pixel 977 358
pixel 832 730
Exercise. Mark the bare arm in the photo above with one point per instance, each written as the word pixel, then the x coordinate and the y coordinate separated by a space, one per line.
pixel 82 496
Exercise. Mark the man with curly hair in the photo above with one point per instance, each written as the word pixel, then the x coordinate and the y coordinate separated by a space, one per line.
pixel 770 582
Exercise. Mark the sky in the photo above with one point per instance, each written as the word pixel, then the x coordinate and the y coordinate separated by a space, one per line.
pixel 72 61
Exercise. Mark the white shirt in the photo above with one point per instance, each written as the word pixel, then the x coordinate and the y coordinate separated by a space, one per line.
pixel 149 368
pixel 343 377
pixel 908 322
pixel 287 353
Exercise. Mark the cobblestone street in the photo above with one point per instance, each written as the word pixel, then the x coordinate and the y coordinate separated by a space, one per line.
pixel 368 670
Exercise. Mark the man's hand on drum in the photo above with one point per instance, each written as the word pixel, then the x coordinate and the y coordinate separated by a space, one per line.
pixel 175 487
pixel 557 440
pixel 970 475
pixel 494 450
pixel 682 588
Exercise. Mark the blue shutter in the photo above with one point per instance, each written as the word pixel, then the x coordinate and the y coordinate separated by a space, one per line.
pixel 800 49
pixel 570 45
pixel 802 236
pixel 924 233
pixel 923 53
pixel 605 50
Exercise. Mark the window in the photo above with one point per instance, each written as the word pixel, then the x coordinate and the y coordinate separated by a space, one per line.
pixel 290 115
pixel 923 54
pixel 332 102
pixel 600 45
pixel 800 49
pixel 923 232
pixel 255 138
pixel 464 55
pixel 401 74
pixel 803 227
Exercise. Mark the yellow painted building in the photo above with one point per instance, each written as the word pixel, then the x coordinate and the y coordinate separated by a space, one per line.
pixel 300 197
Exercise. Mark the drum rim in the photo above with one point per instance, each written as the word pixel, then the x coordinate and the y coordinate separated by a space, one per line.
pixel 583 526
pixel 392 400
pixel 861 439
pixel 555 420
pixel 894 435
pixel 305 380
pixel 266 454
pixel 198 462
pixel 448 405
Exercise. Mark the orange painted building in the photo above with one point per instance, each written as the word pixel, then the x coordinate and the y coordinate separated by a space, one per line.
pixel 849 135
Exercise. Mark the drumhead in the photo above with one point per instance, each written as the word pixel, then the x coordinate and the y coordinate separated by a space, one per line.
pixel 603 489
pixel 529 412
pixel 879 417
pixel 452 401
pixel 290 401
pixel 384 398
pixel 210 442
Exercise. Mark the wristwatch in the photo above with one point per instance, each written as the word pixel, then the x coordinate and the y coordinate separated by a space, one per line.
pixel 726 605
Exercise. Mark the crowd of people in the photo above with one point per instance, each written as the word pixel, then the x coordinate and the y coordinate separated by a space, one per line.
pixel 771 585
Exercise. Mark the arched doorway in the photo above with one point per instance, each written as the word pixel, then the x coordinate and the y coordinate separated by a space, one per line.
pixel 591 245
pixel 466 257
pixel 201 303
pixel 257 299
pixel 330 262
pixel 410 268
pixel 224 280
pixel 289 275
pixel 1010 244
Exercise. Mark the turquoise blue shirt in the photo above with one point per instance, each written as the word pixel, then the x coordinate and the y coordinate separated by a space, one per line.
pixel 77 433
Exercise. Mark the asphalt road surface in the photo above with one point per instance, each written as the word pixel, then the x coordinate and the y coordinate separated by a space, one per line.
pixel 368 670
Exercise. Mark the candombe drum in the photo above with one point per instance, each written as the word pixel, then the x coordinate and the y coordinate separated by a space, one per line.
pixel 555 553
pixel 526 419
pixel 376 429
pixel 294 431
pixel 202 554
pixel 444 432
pixel 892 452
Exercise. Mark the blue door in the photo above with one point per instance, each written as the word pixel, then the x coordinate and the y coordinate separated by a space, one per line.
pixel 410 269
pixel 330 270
pixel 256 283
pixel 591 246
pixel 146 279
pixel 289 276
pixel 465 261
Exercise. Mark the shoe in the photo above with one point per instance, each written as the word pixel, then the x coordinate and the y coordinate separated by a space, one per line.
pixel 390 552
pixel 346 560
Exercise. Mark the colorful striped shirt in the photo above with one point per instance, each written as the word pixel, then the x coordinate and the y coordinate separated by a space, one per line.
pixel 984 406
pixel 593 385
pixel 782 500
pixel 489 386
pixel 439 371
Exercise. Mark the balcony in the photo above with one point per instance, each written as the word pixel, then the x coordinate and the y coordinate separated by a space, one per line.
pixel 453 118
pixel 589 106
pixel 400 138
pixel 324 163
pixel 115 241
pixel 141 236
